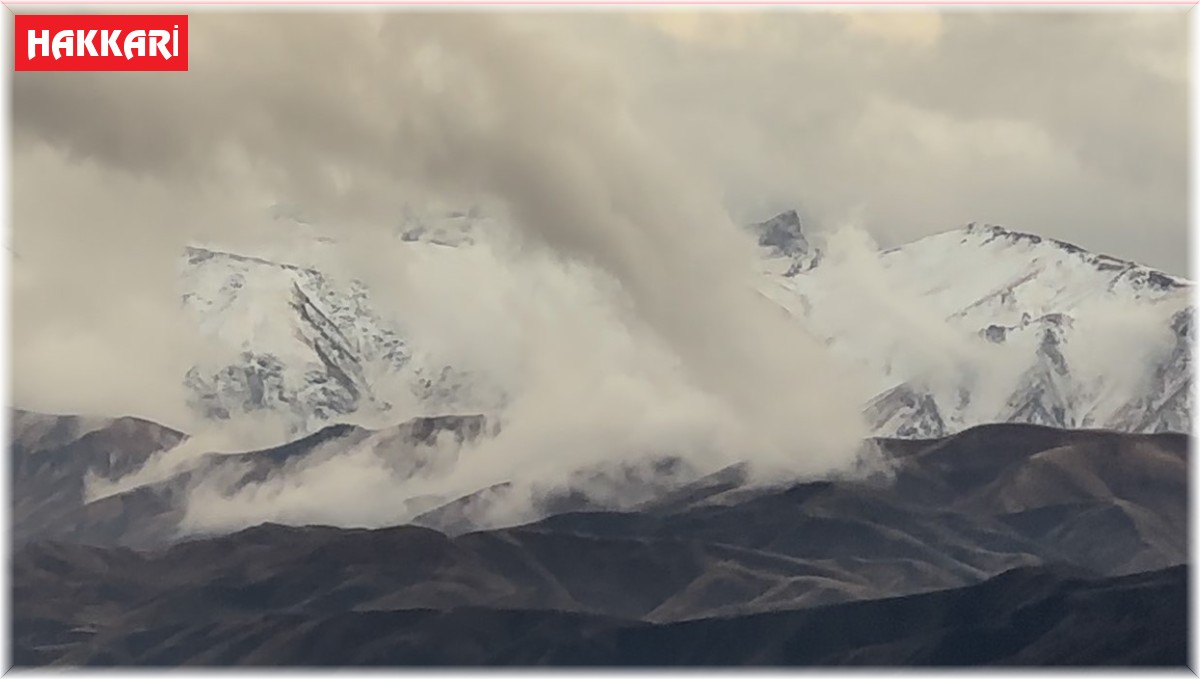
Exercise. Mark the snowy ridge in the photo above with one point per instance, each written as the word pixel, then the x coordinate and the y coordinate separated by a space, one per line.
pixel 311 348
pixel 987 274
pixel 1017 297
pixel 972 325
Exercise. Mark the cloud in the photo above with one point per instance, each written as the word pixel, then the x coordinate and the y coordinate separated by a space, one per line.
pixel 1091 108
pixel 624 146
pixel 256 432
pixel 911 28
pixel 592 392
pixel 934 352
pixel 673 354
pixel 1122 339
pixel 97 322
pixel 788 91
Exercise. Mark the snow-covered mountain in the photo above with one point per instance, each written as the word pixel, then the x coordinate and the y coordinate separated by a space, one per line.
pixel 311 348
pixel 973 325
pixel 981 324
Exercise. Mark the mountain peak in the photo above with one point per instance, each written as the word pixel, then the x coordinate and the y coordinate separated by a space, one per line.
pixel 994 232
pixel 1137 274
pixel 783 236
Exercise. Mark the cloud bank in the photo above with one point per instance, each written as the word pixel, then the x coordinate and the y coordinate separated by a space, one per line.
pixel 625 148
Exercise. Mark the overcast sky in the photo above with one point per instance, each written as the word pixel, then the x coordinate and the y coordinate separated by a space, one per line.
pixel 1071 125
pixel 1068 125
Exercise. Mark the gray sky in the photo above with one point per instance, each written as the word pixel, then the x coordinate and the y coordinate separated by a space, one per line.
pixel 1071 125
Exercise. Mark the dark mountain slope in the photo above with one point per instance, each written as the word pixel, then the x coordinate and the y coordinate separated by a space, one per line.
pixel 1023 617
pixel 686 577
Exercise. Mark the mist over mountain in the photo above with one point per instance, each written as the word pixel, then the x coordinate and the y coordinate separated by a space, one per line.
pixel 424 338
pixel 1016 480
pixel 496 442
pixel 992 544
pixel 974 325
pixel 385 472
